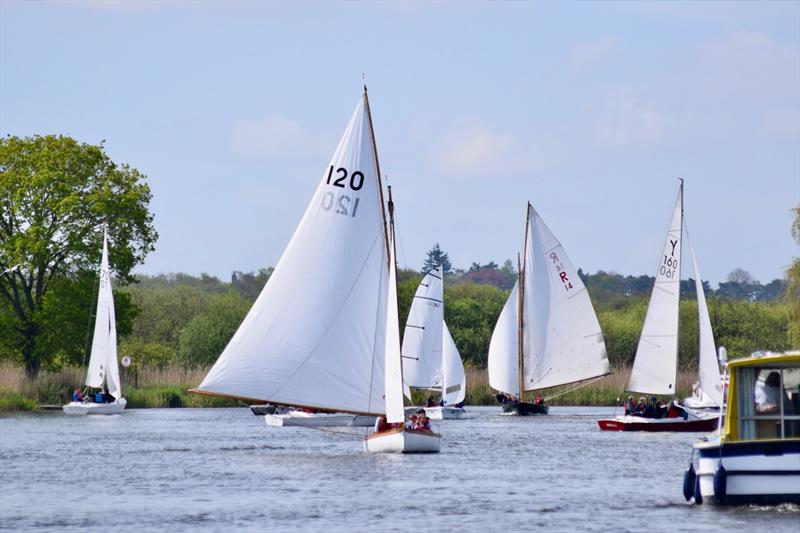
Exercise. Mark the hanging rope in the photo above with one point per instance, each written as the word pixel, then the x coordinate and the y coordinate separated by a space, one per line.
pixel 573 388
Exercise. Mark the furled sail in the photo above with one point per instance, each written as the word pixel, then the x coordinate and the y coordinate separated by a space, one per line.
pixel 315 336
pixel 656 365
pixel 454 383
pixel 562 337
pixel 710 387
pixel 503 359
pixel 103 360
pixel 422 339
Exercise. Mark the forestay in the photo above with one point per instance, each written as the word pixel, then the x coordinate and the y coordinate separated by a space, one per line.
pixel 103 360
pixel 454 382
pixel 316 334
pixel 656 365
pixel 422 338
pixel 562 337
pixel 710 380
pixel 503 359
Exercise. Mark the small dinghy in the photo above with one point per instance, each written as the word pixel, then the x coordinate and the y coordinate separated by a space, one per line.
pixel 103 366
pixel 755 458
pixel 655 366
pixel 430 358
pixel 399 440
pixel 547 334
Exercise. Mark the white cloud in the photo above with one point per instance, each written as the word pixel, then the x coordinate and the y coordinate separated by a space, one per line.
pixel 273 137
pixel 475 150
pixel 589 53
pixel 627 120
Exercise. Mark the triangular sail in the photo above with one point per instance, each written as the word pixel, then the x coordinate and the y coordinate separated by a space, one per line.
pixel 103 360
pixel 422 339
pixel 503 360
pixel 315 335
pixel 562 337
pixel 454 383
pixel 394 371
pixel 710 388
pixel 656 365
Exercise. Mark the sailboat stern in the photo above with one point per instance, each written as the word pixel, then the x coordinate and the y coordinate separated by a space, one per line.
pixel 401 440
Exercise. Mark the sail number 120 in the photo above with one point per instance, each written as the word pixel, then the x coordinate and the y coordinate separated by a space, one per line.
pixel 356 178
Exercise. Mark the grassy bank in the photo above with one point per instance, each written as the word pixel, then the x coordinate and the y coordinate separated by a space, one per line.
pixel 168 387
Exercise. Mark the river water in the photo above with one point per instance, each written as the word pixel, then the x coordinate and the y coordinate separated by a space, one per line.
pixel 217 469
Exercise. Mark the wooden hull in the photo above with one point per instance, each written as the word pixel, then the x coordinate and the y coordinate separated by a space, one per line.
pixel 402 441
pixel 316 420
pixel 705 424
pixel 754 472
pixel 445 413
pixel 525 409
pixel 88 408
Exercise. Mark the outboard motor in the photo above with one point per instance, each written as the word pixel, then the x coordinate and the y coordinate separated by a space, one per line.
pixel 720 483
pixel 689 478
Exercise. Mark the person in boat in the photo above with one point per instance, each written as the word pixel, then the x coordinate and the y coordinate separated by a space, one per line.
pixel 502 398
pixel 653 409
pixel 460 404
pixel 767 394
pixel 539 400
pixel 630 406
pixel 411 422
pixel 77 396
pixel 640 407
pixel 422 421
pixel 429 402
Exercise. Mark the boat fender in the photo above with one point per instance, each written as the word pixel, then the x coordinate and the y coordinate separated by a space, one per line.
pixel 698 496
pixel 720 484
pixel 689 478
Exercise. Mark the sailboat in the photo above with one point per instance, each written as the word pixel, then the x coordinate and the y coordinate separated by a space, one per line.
pixel 655 366
pixel 547 334
pixel 319 336
pixel 430 358
pixel 103 367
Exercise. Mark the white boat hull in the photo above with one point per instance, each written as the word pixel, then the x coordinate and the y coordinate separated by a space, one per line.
pixel 318 420
pixel 88 408
pixel 445 413
pixel 754 472
pixel 403 441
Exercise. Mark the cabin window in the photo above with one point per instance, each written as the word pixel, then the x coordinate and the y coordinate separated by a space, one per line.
pixel 769 403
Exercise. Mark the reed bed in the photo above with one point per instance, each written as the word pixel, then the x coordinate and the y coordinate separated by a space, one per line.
pixel 169 386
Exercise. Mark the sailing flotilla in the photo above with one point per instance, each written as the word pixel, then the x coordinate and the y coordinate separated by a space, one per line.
pixel 321 345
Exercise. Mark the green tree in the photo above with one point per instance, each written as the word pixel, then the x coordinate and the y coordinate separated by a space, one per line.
pixel 793 287
pixel 207 334
pixel 436 257
pixel 55 193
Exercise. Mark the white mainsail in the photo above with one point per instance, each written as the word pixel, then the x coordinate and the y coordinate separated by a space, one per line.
pixel 422 338
pixel 562 337
pixel 394 368
pixel 656 365
pixel 103 360
pixel 315 336
pixel 454 382
pixel 503 359
pixel 710 386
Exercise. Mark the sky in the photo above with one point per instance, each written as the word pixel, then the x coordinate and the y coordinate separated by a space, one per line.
pixel 591 111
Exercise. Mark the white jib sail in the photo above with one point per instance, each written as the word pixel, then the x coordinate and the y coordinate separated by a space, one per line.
pixel 656 365
pixel 315 335
pixel 504 347
pixel 710 379
pixel 454 383
pixel 422 339
pixel 103 360
pixel 394 368
pixel 563 339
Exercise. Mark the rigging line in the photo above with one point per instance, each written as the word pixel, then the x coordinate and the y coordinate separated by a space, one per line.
pixel 413 326
pixel 573 388
pixel 325 333
pixel 428 298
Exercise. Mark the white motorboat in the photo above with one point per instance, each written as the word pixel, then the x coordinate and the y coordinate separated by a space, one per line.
pixel 103 366
pixel 755 457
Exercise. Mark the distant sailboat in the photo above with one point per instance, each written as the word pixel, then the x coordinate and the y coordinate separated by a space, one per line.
pixel 317 336
pixel 655 367
pixel 103 366
pixel 430 358
pixel 547 334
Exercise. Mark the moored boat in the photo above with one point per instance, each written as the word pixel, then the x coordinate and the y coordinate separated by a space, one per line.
pixel 755 458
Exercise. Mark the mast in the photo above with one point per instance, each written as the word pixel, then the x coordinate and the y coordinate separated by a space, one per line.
pixel 520 350
pixel 680 266
pixel 378 171
pixel 394 254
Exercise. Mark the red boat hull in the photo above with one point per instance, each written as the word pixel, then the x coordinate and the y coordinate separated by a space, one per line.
pixel 663 424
